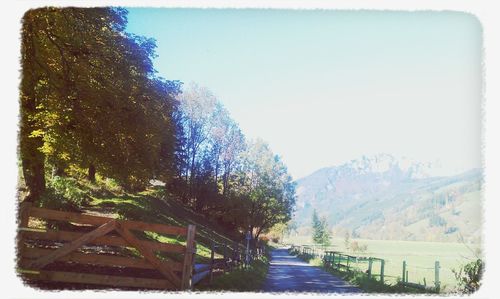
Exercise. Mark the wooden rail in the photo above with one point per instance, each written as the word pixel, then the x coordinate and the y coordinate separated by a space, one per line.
pixel 340 261
pixel 231 257
pixel 85 248
pixel 437 284
pixel 345 262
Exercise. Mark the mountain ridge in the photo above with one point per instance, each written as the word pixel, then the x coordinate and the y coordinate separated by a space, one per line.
pixel 386 198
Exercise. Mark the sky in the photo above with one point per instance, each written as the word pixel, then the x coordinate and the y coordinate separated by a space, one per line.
pixel 326 87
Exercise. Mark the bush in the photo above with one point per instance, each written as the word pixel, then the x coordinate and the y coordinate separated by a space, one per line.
pixel 69 189
pixel 469 276
pixel 63 194
pixel 242 279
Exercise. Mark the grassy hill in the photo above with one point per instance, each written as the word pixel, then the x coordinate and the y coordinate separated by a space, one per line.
pixel 153 205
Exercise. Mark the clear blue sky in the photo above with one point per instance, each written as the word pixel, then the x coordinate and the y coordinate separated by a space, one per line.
pixel 324 87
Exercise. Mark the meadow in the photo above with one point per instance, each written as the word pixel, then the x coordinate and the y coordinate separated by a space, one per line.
pixel 419 256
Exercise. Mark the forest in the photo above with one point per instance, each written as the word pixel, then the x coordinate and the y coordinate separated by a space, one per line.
pixel 93 108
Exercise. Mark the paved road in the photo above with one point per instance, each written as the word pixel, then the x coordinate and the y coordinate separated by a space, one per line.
pixel 289 273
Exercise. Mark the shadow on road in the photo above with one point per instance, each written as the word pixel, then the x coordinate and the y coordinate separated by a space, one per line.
pixel 288 273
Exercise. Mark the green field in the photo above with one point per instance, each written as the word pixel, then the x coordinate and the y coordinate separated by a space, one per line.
pixel 419 256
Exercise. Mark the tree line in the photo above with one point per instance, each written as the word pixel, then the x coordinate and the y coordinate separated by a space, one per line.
pixel 91 101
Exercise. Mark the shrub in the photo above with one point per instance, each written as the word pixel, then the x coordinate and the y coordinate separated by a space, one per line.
pixel 63 194
pixel 469 276
pixel 69 189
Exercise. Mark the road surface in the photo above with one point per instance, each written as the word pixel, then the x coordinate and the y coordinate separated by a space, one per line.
pixel 288 273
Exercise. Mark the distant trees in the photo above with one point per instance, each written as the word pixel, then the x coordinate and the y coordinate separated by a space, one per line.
pixel 321 233
pixel 347 238
pixel 356 247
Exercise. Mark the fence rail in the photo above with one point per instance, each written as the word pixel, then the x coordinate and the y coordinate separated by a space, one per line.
pixel 345 262
pixel 232 257
pixel 120 246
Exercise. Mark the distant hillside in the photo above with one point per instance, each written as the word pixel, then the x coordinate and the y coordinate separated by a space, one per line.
pixel 382 197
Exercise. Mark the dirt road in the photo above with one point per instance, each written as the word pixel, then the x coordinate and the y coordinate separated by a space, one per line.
pixel 288 273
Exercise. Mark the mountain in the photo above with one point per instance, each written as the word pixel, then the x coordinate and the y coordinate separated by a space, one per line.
pixel 383 197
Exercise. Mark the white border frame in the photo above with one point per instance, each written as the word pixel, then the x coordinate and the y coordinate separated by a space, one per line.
pixel 12 13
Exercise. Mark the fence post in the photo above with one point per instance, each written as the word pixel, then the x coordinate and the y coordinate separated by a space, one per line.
pixel 225 255
pixel 187 269
pixel 24 216
pixel 404 272
pixel 436 275
pixel 237 258
pixel 370 261
pixel 382 264
pixel 24 209
pixel 212 255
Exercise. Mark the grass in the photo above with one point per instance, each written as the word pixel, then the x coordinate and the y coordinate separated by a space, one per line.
pixel 242 279
pixel 148 206
pixel 106 198
pixel 420 258
pixel 361 279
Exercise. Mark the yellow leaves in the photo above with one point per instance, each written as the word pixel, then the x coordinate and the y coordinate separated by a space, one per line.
pixel 46 148
pixel 37 133
pixel 64 156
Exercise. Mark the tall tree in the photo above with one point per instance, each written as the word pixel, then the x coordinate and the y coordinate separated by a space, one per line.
pixel 197 105
pixel 321 234
pixel 267 189
pixel 90 97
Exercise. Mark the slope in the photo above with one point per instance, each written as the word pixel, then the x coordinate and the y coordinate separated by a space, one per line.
pixel 385 198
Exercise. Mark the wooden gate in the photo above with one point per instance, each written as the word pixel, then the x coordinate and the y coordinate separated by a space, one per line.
pixel 132 250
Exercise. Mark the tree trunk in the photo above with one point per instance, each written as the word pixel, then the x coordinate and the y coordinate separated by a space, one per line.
pixel 59 169
pixel 91 173
pixel 33 165
pixel 32 159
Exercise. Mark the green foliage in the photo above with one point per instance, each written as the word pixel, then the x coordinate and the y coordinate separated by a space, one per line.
pixel 89 97
pixel 361 279
pixel 347 238
pixel 64 194
pixel 321 234
pixel 93 106
pixel 69 189
pixel 469 276
pixel 242 279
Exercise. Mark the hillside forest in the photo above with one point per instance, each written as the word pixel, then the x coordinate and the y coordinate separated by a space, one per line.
pixel 95 111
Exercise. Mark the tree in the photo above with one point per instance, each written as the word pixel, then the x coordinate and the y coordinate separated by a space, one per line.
pixel 89 97
pixel 196 108
pixel 321 234
pixel 291 227
pixel 346 239
pixel 266 191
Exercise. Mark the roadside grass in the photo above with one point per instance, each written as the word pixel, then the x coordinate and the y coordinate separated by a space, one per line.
pixel 371 285
pixel 242 279
pixel 361 279
pixel 420 257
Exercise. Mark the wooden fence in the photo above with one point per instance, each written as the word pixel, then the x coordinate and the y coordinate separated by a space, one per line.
pixel 232 256
pixel 344 262
pixel 119 247
pixel 339 261
pixel 405 281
